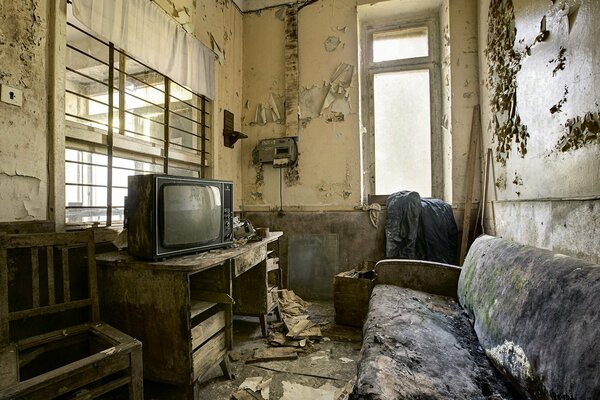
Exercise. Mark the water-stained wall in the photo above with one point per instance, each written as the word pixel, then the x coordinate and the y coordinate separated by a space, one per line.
pixel 23 130
pixel 328 172
pixel 30 60
pixel 328 176
pixel 540 98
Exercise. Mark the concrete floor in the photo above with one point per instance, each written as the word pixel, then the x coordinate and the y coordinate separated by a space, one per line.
pixel 329 362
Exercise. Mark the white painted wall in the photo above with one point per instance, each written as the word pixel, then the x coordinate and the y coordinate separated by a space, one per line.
pixel 23 130
pixel 549 198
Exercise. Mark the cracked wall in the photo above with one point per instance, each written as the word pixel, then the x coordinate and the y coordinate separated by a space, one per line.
pixel 23 130
pixel 547 194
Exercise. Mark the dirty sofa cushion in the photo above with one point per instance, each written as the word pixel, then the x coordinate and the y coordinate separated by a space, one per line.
pixel 421 346
pixel 537 315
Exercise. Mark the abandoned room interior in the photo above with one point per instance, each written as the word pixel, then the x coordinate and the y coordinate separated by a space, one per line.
pixel 240 199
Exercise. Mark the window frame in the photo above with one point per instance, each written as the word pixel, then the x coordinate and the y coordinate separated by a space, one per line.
pixel 113 143
pixel 368 70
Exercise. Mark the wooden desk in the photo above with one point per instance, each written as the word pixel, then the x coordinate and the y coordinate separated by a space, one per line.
pixel 181 308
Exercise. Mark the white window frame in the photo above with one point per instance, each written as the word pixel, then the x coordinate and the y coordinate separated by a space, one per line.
pixel 114 143
pixel 368 71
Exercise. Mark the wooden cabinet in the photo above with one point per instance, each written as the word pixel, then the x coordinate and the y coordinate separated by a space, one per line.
pixel 181 308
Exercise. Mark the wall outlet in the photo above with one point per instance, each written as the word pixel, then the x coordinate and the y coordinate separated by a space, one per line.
pixel 11 95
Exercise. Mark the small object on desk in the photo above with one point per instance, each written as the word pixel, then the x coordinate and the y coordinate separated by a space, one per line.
pixel 263 232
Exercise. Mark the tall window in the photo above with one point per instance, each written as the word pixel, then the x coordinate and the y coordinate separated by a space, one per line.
pixel 401 107
pixel 123 118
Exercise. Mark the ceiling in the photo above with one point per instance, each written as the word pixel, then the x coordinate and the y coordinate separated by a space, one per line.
pixel 254 5
pixel 376 7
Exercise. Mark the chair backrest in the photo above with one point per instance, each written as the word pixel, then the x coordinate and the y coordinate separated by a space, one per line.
pixel 47 254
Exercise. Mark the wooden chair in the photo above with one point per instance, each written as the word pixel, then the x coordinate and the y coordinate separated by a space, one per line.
pixel 39 290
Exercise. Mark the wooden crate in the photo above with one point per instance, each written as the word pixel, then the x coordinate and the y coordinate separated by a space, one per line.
pixel 351 291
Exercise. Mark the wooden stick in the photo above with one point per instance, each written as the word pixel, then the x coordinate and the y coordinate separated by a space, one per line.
pixel 471 162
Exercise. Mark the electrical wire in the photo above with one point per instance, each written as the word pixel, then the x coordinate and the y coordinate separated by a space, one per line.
pixel 280 213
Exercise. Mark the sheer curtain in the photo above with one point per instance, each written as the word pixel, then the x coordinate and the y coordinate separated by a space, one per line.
pixel 147 33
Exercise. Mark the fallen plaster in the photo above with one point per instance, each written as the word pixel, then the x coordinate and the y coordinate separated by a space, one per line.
pixel 297 391
pixel 504 64
pixel 331 100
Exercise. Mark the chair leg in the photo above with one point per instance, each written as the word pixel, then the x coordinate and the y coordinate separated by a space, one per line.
pixel 136 387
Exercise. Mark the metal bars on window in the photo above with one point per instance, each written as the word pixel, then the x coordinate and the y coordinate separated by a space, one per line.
pixel 123 118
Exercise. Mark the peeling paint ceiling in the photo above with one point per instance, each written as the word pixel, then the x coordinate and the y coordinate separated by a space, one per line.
pixel 254 5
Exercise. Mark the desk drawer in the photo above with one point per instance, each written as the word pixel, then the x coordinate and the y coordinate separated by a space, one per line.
pixel 249 259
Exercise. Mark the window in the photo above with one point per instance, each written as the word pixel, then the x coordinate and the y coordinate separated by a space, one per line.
pixel 401 107
pixel 123 118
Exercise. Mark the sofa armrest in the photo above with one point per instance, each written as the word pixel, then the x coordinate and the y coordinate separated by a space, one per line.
pixel 426 276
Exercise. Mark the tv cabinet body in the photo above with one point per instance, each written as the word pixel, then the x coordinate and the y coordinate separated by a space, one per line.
pixel 181 308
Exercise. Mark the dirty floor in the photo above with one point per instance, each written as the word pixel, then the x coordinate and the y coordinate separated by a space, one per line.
pixel 326 365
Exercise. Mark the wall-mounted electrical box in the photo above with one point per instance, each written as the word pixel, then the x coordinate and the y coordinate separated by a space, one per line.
pixel 282 152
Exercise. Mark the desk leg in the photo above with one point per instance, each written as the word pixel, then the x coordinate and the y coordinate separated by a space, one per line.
pixel 226 367
pixel 263 325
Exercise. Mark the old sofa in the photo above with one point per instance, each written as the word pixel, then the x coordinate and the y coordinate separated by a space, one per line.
pixel 433 331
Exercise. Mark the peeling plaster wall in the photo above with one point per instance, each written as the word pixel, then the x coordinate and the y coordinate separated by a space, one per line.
pixel 549 196
pixel 222 21
pixel 464 78
pixel 23 139
pixel 25 142
pixel 446 96
pixel 329 161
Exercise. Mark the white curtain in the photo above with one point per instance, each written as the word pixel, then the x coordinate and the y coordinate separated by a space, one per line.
pixel 143 30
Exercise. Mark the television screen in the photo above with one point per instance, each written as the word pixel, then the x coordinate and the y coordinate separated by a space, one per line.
pixel 192 214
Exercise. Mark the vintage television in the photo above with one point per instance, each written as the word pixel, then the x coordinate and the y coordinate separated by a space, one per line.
pixel 170 215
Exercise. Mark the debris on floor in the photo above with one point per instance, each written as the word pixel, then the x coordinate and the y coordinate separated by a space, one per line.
pixel 276 354
pixel 255 388
pixel 296 391
pixel 323 367
pixel 294 312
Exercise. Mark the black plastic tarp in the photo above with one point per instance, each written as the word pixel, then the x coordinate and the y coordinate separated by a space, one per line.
pixel 420 229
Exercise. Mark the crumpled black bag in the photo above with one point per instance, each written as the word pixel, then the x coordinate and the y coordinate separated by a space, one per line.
pixel 420 229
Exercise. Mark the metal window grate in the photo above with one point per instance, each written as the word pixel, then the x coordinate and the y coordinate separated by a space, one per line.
pixel 123 118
